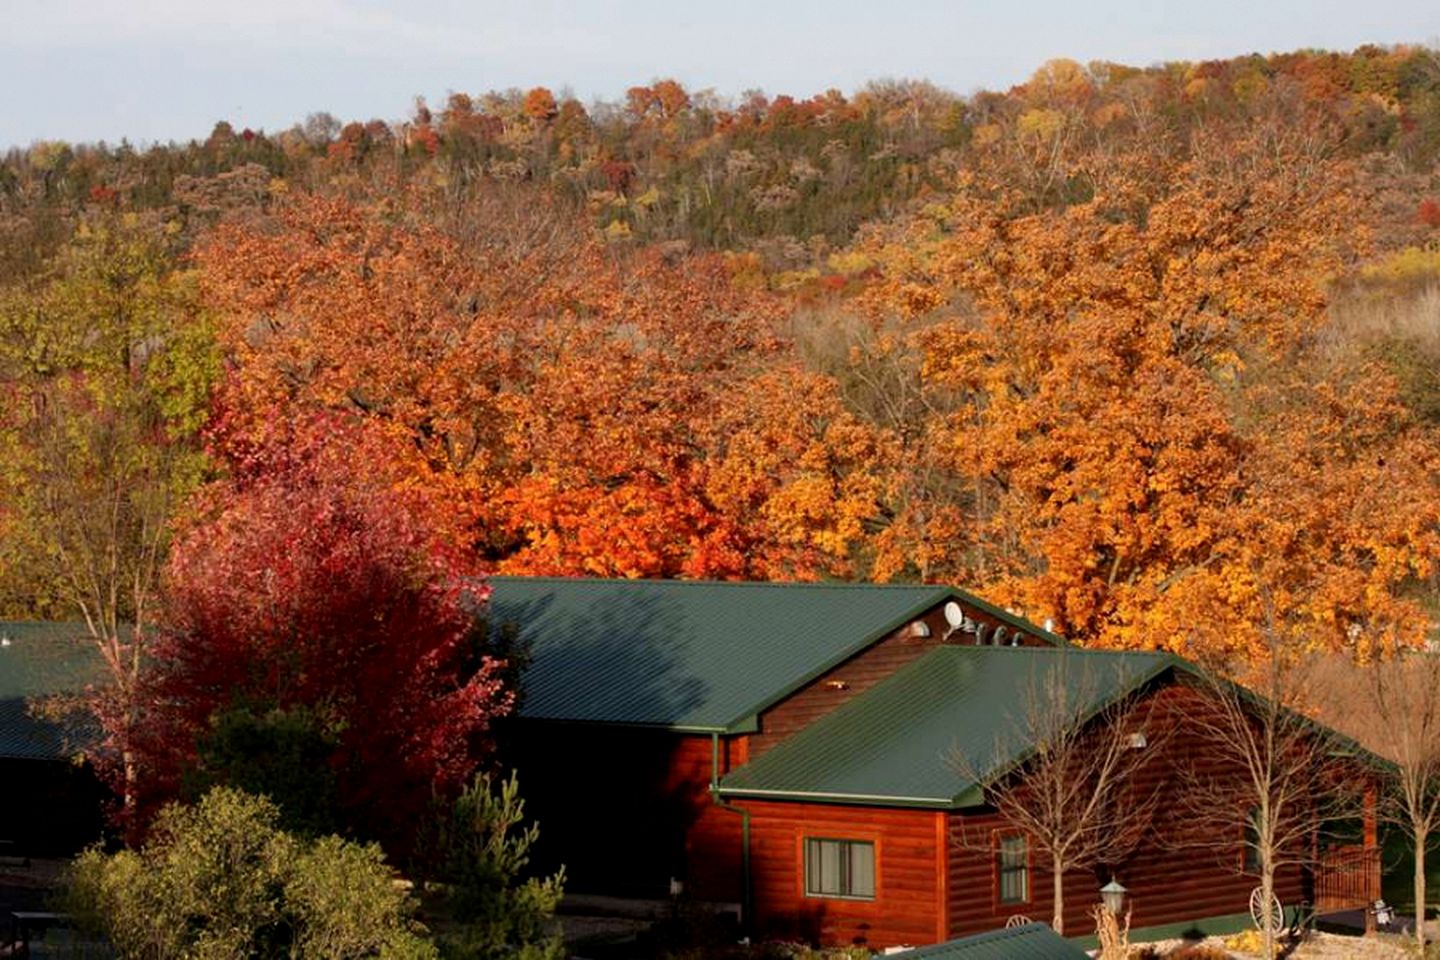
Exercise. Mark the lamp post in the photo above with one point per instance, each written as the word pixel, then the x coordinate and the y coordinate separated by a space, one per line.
pixel 1113 896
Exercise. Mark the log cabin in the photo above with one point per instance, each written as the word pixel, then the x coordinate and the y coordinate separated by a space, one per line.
pixel 639 694
pixel 789 749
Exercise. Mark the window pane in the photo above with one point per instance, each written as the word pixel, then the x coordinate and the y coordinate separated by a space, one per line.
pixel 1014 871
pixel 862 870
pixel 830 868
pixel 839 868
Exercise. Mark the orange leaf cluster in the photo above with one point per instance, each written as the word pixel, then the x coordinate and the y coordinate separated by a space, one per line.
pixel 562 410
pixel 1158 443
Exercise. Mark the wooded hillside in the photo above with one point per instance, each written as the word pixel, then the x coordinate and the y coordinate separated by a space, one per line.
pixel 1148 352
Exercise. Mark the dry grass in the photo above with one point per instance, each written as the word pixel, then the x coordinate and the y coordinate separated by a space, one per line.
pixel 1319 946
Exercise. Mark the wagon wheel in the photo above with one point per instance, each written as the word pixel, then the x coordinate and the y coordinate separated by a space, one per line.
pixel 1018 920
pixel 1257 910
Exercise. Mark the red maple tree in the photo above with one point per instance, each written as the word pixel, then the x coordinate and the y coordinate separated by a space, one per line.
pixel 312 585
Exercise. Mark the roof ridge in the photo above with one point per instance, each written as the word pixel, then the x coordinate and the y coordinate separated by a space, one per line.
pixel 825 584
pixel 1062 651
pixel 960 594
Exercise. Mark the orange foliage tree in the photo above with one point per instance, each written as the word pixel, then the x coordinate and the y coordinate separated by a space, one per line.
pixel 565 409
pixel 1144 412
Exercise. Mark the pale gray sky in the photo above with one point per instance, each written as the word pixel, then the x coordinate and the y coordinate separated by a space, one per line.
pixel 163 69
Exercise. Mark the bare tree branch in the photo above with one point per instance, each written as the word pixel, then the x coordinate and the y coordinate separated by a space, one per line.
pixel 1078 795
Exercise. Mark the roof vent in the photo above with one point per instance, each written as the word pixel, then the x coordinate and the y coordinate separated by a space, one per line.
pixel 5 640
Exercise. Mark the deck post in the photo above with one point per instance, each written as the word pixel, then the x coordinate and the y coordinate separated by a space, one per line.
pixel 1371 846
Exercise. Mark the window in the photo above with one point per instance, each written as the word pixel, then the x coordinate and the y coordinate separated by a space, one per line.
pixel 840 868
pixel 1014 870
pixel 1252 841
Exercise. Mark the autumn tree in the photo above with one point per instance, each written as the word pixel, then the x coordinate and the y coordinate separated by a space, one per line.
pixel 540 104
pixel 1138 404
pixel 305 587
pixel 105 367
pixel 571 410
pixel 1077 795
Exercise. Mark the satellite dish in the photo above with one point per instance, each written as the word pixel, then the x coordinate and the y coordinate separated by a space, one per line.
pixel 953 616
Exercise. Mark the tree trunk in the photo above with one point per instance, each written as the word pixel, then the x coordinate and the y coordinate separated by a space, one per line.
pixel 1421 838
pixel 1267 919
pixel 1057 881
pixel 128 759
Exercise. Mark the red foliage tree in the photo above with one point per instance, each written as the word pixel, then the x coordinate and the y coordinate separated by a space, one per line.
pixel 314 586
pixel 1429 212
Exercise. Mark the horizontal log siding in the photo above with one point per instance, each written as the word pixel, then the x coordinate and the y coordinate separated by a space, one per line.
pixel 1171 877
pixel 858 674
pixel 908 883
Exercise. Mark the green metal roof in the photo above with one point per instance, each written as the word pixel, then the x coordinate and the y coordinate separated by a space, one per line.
pixel 895 745
pixel 37 659
pixel 695 655
pixel 1033 941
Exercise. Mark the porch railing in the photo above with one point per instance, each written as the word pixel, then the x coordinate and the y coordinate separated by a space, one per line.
pixel 1348 878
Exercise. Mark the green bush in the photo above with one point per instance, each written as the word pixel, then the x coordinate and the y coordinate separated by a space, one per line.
pixel 479 847
pixel 220 880
pixel 281 754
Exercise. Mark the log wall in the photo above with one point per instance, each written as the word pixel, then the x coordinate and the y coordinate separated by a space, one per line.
pixel 1180 871
pixel 909 874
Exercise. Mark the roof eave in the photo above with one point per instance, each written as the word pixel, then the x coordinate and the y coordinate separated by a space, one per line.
pixel 844 799
pixel 692 728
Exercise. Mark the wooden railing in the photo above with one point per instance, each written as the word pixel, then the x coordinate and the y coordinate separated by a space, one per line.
pixel 1348 878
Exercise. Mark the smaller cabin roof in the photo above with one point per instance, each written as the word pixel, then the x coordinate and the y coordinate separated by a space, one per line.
pixel 37 660
pixel 1031 941
pixel 896 745
pixel 689 655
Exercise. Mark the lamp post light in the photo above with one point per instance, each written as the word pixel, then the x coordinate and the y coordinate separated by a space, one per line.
pixel 1113 896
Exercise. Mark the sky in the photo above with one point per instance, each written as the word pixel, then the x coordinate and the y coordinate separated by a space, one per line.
pixel 155 70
